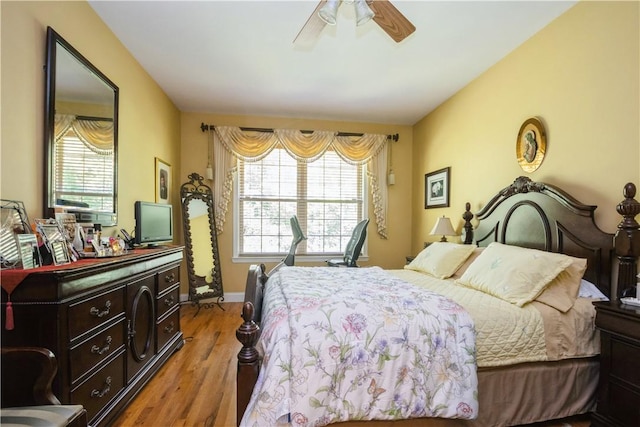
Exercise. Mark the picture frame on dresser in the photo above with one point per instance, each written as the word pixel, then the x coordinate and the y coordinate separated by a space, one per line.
pixel 436 188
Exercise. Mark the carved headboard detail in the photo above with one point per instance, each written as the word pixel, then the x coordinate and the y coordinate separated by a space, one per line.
pixel 541 216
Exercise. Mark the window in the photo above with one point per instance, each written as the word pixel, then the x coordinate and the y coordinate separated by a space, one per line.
pixel 328 196
pixel 82 175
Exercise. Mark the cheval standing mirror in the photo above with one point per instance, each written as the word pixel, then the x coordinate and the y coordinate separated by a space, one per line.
pixel 201 243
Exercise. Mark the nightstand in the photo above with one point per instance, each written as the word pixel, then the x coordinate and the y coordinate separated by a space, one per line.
pixel 619 388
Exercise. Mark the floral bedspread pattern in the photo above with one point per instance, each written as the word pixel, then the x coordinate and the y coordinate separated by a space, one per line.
pixel 360 344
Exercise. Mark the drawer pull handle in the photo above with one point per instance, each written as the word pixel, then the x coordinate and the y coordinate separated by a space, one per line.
pixel 169 278
pixel 170 328
pixel 100 351
pixel 170 301
pixel 106 389
pixel 97 313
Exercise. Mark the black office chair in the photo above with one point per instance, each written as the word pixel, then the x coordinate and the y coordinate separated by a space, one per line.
pixel 354 247
pixel 298 236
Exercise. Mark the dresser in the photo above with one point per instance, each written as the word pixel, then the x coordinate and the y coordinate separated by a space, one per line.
pixel 111 323
pixel 619 389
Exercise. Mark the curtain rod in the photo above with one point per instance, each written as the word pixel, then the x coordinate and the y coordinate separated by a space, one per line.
pixel 205 128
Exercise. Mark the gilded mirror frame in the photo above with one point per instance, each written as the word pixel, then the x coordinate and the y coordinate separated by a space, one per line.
pixel 56 43
pixel 199 287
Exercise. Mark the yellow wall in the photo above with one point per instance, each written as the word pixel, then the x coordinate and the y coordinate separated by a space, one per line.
pixel 388 253
pixel 149 123
pixel 581 76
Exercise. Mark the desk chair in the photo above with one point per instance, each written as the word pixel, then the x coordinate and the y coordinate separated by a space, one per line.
pixel 354 247
pixel 298 236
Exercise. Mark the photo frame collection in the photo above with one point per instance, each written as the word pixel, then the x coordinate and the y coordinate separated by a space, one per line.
pixel 437 189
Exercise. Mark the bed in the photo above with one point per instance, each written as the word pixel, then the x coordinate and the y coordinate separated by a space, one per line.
pixel 552 375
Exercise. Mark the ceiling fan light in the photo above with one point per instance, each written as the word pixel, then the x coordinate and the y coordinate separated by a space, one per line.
pixel 363 12
pixel 329 11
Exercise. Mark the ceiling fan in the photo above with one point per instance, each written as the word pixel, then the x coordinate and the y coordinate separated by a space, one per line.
pixel 381 11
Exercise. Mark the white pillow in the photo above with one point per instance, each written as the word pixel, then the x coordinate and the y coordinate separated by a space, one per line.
pixel 589 290
pixel 514 274
pixel 441 259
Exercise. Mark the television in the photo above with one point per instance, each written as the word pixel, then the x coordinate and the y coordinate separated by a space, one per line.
pixel 154 223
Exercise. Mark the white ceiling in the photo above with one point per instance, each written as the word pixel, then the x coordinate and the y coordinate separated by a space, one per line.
pixel 238 57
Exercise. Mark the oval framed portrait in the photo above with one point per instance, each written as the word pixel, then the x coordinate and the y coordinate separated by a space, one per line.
pixel 531 144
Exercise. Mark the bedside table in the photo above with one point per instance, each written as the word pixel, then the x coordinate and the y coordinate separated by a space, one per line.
pixel 619 388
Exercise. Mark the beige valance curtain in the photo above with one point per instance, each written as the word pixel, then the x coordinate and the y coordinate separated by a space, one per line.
pixel 232 143
pixel 96 135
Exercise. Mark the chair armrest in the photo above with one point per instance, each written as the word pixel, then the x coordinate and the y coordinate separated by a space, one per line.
pixel 27 375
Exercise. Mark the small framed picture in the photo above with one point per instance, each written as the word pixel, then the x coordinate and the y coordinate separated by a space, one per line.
pixel 531 144
pixel 29 251
pixel 60 252
pixel 163 181
pixel 436 189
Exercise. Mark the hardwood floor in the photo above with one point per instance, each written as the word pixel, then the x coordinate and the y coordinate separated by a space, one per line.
pixel 196 387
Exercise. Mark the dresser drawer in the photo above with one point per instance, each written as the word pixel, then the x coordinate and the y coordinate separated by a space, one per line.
pixel 88 314
pixel 167 301
pixel 624 358
pixel 168 278
pixel 95 393
pixel 91 352
pixel 167 329
pixel 624 405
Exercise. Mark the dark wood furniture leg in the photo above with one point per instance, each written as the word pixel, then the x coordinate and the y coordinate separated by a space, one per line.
pixel 248 360
pixel 627 240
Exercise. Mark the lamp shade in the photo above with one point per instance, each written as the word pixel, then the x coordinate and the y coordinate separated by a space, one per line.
pixel 363 12
pixel 443 228
pixel 329 12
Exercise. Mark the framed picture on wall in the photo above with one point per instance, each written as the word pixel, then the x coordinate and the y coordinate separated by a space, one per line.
pixel 163 181
pixel 436 189
pixel 531 144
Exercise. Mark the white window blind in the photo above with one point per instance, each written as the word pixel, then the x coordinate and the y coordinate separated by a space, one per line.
pixel 82 175
pixel 327 195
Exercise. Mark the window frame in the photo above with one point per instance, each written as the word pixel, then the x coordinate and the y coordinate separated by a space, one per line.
pixel 65 154
pixel 271 257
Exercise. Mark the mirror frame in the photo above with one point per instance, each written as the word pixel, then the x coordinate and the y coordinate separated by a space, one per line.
pixel 195 189
pixel 54 40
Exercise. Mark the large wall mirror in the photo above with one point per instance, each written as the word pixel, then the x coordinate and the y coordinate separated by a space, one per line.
pixel 201 243
pixel 81 136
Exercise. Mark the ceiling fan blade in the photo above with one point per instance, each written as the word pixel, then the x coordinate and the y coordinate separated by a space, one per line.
pixel 391 20
pixel 312 28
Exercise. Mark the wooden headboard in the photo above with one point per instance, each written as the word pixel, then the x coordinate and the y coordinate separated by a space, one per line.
pixel 541 216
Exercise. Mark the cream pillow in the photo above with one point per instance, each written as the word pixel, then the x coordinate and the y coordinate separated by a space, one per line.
pixel 563 291
pixel 514 274
pixel 441 259
pixel 460 271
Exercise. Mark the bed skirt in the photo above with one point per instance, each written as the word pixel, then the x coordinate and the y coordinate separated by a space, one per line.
pixel 522 394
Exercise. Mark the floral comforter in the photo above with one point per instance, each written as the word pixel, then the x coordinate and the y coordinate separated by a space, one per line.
pixel 356 344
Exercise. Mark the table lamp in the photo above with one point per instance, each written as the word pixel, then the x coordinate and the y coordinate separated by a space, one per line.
pixel 443 228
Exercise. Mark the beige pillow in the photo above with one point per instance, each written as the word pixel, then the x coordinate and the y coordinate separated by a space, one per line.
pixel 460 271
pixel 514 274
pixel 441 259
pixel 563 291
